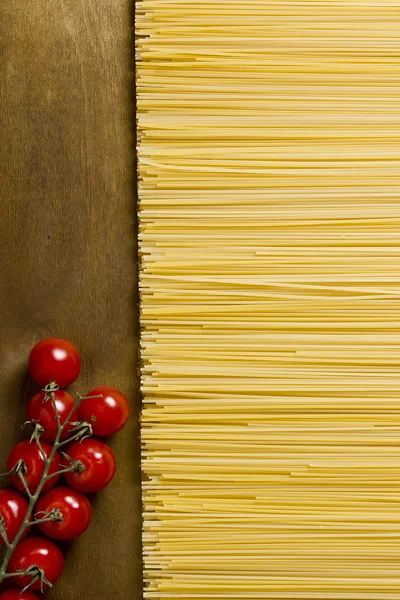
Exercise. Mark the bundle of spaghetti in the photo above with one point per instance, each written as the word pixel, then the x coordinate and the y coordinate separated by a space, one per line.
pixel 269 226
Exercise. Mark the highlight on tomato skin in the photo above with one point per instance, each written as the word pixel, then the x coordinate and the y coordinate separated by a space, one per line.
pixel 75 509
pixel 30 454
pixel 13 508
pixel 15 594
pixel 38 551
pixel 107 414
pixel 54 359
pixel 42 410
pixel 99 465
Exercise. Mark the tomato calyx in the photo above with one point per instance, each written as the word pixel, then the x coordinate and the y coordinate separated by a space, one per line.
pixel 76 465
pixel 82 431
pixel 54 515
pixel 37 574
pixel 19 469
pixel 37 430
pixel 50 388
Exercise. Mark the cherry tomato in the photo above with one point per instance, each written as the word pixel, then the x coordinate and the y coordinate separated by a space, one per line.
pixel 56 360
pixel 33 459
pixel 75 509
pixel 99 462
pixel 108 414
pixel 13 507
pixel 42 410
pixel 15 594
pixel 37 551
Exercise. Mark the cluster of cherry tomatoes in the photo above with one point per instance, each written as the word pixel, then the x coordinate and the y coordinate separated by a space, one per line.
pixel 62 512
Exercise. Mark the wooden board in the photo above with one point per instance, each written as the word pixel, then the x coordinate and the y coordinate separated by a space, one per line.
pixel 68 243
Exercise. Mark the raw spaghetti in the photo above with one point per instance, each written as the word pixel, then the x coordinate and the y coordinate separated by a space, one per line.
pixel 269 151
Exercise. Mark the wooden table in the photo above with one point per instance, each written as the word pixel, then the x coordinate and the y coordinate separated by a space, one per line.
pixel 68 243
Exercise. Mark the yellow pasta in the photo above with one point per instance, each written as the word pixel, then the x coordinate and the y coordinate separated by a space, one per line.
pixel 269 216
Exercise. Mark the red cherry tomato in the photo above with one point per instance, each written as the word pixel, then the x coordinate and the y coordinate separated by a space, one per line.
pixel 13 507
pixel 108 414
pixel 75 509
pixel 15 594
pixel 99 462
pixel 37 551
pixel 56 360
pixel 42 410
pixel 33 459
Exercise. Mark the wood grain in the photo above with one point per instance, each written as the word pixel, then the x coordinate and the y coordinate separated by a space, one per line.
pixel 68 242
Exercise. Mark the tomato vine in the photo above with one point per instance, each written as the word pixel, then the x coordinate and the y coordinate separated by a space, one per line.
pixel 65 431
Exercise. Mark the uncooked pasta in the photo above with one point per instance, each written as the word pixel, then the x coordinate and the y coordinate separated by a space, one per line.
pixel 269 232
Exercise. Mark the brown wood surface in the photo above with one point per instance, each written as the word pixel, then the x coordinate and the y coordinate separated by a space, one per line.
pixel 68 243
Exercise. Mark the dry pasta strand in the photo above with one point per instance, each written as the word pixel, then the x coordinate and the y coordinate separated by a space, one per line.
pixel 269 183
